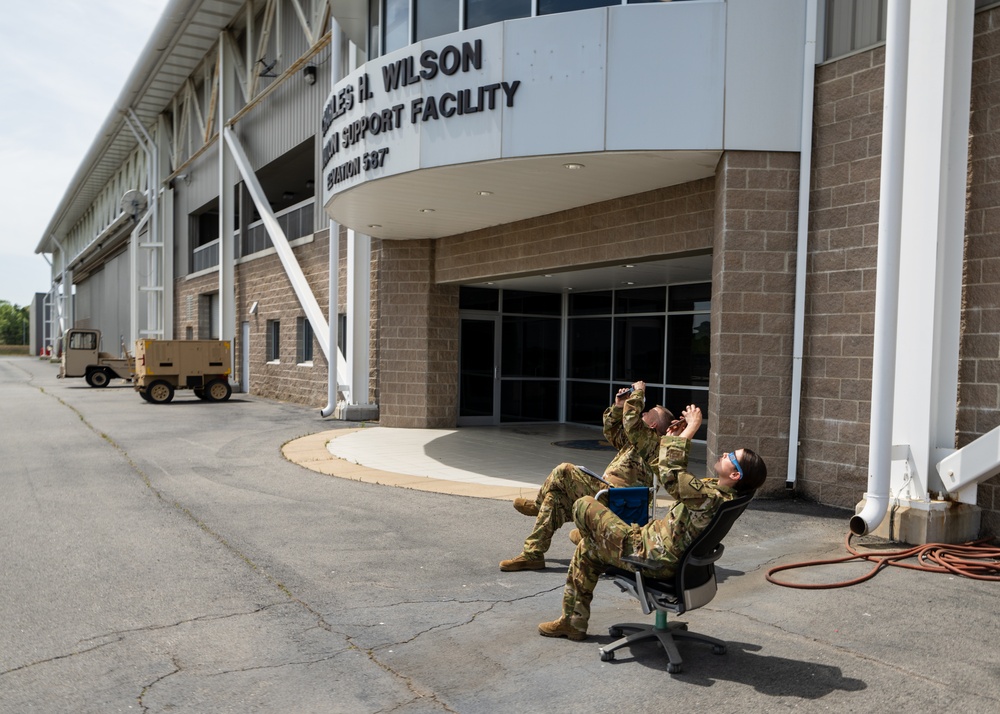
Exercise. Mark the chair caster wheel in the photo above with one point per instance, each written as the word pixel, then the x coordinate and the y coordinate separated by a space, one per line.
pixel 719 649
pixel 615 631
pixel 673 668
pixel 607 656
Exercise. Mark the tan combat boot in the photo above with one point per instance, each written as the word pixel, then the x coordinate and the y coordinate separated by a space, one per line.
pixel 528 508
pixel 563 627
pixel 522 562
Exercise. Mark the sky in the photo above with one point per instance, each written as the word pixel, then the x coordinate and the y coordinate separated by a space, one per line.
pixel 63 63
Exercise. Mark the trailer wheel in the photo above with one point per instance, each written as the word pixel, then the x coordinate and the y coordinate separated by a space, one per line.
pixel 160 392
pixel 218 390
pixel 98 378
pixel 144 394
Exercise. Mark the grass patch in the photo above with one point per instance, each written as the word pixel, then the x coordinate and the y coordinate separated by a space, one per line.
pixel 19 350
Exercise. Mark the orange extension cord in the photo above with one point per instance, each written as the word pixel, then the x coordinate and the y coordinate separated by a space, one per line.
pixel 974 560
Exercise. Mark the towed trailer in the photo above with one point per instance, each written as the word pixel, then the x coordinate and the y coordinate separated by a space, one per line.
pixel 164 366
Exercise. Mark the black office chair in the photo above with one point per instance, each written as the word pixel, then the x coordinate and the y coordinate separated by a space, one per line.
pixel 692 586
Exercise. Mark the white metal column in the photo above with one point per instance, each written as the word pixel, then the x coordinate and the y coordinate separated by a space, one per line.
pixel 227 179
pixel 932 227
pixel 359 264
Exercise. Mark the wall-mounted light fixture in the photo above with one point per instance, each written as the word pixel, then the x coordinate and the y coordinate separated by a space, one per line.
pixel 253 308
pixel 310 74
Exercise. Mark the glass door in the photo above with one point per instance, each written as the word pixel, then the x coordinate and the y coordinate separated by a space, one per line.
pixel 479 371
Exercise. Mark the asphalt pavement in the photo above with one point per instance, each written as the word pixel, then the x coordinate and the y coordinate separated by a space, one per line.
pixel 202 557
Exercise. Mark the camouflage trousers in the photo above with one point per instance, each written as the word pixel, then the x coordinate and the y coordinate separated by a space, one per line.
pixel 606 540
pixel 563 486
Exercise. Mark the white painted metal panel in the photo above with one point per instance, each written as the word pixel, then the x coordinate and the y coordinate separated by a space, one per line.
pixel 561 62
pixel 666 76
pixel 472 136
pixel 764 46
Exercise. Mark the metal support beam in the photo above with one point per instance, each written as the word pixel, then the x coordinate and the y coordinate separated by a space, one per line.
pixel 321 328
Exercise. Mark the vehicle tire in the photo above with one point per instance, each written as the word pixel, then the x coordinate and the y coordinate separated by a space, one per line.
pixel 200 393
pixel 160 392
pixel 98 378
pixel 144 394
pixel 218 390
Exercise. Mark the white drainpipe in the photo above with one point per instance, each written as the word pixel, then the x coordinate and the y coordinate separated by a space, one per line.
pixel 802 247
pixel 887 279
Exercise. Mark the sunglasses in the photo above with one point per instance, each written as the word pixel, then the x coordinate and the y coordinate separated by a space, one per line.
pixel 739 470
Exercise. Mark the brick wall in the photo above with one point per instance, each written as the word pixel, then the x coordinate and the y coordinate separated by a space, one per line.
pixel 753 297
pixel 840 304
pixel 418 339
pixel 979 371
pixel 262 279
pixel 667 221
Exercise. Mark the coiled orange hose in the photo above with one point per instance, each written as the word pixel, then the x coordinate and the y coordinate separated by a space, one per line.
pixel 974 559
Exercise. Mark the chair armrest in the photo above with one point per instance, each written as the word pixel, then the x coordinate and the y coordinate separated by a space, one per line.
pixel 649 564
pixel 643 563
pixel 708 559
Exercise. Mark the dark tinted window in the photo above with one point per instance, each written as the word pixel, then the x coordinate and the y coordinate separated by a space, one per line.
pixel 589 348
pixel 485 12
pixel 590 303
pixel 687 298
pixel 478 299
pixel 434 17
pixel 638 350
pixel 530 347
pixel 641 300
pixel 548 7
pixel 531 303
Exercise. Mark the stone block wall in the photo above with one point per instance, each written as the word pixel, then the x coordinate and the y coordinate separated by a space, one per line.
pixel 668 221
pixel 418 339
pixel 979 371
pixel 262 279
pixel 753 298
pixel 840 283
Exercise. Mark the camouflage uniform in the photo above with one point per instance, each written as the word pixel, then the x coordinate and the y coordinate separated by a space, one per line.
pixel 638 448
pixel 607 538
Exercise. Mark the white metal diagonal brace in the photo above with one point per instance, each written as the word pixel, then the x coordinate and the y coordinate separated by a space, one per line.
pixel 292 269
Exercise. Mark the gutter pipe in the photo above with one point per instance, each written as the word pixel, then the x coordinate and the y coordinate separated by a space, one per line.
pixel 887 278
pixel 802 245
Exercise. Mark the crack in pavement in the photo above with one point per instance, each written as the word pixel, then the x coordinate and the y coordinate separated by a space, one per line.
pixel 199 618
pixel 219 538
pixel 145 689
pixel 56 658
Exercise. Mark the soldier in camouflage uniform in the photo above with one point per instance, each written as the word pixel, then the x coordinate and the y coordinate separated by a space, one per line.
pixel 636 435
pixel 607 538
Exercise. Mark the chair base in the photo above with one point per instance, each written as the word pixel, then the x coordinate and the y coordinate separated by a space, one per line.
pixel 665 635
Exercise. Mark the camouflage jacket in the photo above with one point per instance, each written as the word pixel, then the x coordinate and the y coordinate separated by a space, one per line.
pixel 638 445
pixel 697 500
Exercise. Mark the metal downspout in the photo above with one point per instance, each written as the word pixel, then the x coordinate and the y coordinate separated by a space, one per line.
pixel 802 243
pixel 887 273
pixel 336 70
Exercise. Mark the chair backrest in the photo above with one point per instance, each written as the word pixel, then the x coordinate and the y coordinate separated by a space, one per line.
pixel 690 572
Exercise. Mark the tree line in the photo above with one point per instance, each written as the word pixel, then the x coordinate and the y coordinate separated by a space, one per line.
pixel 14 322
